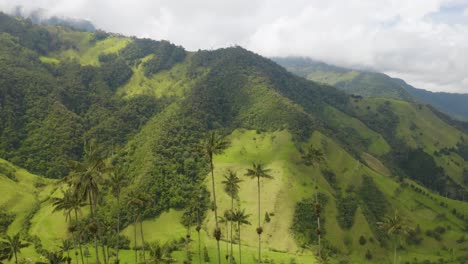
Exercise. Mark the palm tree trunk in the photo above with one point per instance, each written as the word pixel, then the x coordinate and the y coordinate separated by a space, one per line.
pixel 259 234
pixel 318 219
pixel 199 248
pixel 142 239
pixel 240 251
pixel 395 251
pixel 135 236
pixel 103 248
pixel 232 210
pixel 79 239
pixel 198 232
pixel 118 227
pixel 227 243
pixel 215 208
pixel 68 254
pixel 92 207
pixel 16 257
pixel 108 255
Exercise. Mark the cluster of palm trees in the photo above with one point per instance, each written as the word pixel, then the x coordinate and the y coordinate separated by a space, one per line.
pixel 216 144
pixel 84 189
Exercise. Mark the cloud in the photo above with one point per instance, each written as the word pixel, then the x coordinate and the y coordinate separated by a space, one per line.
pixel 424 42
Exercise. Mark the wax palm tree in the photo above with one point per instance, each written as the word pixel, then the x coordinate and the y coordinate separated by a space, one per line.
pixel 395 226
pixel 65 247
pixel 259 172
pixel 231 186
pixel 86 178
pixel 118 180
pixel 241 218
pixel 68 203
pixel 225 220
pixel 315 157
pixel 56 257
pixel 12 247
pixel 212 145
pixel 198 228
pixel 161 253
pixel 136 203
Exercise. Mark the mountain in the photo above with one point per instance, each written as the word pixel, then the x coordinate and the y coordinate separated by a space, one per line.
pixel 146 105
pixel 373 84
pixel 39 16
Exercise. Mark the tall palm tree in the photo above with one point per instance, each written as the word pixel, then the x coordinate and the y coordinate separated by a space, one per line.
pixel 212 145
pixel 259 172
pixel 118 180
pixel 66 247
pixel 56 257
pixel 12 247
pixel 395 226
pixel 68 203
pixel 86 178
pixel 198 228
pixel 315 157
pixel 225 220
pixel 231 186
pixel 241 218
pixel 136 203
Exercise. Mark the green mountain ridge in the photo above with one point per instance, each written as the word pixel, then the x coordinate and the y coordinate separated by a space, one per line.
pixel 148 104
pixel 374 84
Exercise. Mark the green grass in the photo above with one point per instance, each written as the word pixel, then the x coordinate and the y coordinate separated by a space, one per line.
pixel 85 50
pixel 49 60
pixel 172 82
pixel 377 146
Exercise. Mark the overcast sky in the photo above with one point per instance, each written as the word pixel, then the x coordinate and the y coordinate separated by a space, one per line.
pixel 424 42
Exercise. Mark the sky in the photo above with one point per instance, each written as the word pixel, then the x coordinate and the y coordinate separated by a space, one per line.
pixel 424 42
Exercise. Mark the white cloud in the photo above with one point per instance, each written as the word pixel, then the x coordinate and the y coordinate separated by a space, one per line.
pixel 398 37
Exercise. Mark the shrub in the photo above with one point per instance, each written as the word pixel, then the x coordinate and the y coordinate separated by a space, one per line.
pixel 362 240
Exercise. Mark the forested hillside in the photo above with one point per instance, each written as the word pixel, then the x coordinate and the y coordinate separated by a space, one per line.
pixel 109 146
pixel 373 84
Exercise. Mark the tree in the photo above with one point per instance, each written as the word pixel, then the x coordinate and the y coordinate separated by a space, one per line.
pixel 212 145
pixel 161 253
pixel 136 202
pixel 315 157
pixel 56 257
pixel 395 226
pixel 118 180
pixel 241 218
pixel 68 203
pixel 12 246
pixel 66 246
pixel 86 178
pixel 258 171
pixel 225 219
pixel 231 186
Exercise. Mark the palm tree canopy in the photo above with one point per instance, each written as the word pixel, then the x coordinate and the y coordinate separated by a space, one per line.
pixel 231 183
pixel 240 217
pixel 87 175
pixel 395 225
pixel 11 245
pixel 258 171
pixel 313 156
pixel 69 202
pixel 118 180
pixel 213 144
pixel 137 200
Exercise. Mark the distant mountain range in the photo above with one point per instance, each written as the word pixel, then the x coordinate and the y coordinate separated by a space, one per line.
pixel 373 84
pixel 39 16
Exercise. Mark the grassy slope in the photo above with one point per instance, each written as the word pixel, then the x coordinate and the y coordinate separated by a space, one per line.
pixel 85 50
pixel 420 128
pixel 23 197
